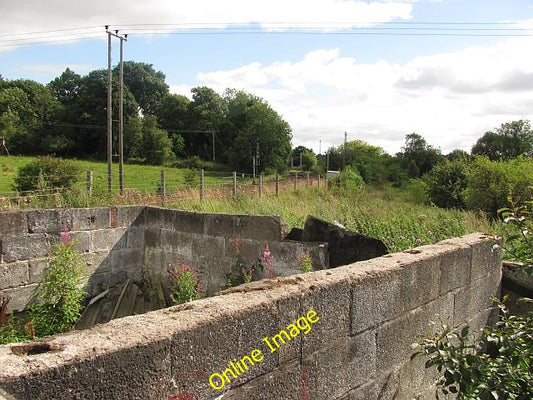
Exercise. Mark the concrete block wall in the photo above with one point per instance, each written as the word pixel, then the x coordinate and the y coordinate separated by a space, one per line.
pixel 106 237
pixel 136 242
pixel 359 348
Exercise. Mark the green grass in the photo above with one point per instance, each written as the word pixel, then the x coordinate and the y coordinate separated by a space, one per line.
pixel 401 224
pixel 138 178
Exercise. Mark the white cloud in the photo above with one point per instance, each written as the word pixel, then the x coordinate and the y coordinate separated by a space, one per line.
pixel 451 99
pixel 38 15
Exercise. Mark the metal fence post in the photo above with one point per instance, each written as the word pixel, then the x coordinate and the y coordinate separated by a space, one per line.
pixel 163 188
pixel 201 184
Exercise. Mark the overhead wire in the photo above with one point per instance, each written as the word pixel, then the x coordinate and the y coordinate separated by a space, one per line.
pixel 391 28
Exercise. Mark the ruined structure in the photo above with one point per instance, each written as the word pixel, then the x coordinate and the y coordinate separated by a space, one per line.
pixel 341 333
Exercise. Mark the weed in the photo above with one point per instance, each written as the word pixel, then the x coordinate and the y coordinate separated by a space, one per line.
pixel 306 261
pixel 185 285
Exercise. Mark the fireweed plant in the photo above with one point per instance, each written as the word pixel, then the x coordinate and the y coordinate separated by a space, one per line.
pixel 306 261
pixel 184 283
pixel 58 301
pixel 241 273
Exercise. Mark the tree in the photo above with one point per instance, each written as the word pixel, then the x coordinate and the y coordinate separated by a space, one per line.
pixel 26 108
pixel 147 86
pixel 252 121
pixel 370 161
pixel 65 88
pixel 447 182
pixel 207 112
pixel 304 158
pixel 418 157
pixel 157 147
pixel 510 140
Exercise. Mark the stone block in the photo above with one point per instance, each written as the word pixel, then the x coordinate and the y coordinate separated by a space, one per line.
pixel 259 227
pixel 130 261
pixel 394 338
pixel 474 299
pixel 220 225
pixel 484 257
pixel 46 221
pixel 26 247
pixel 287 382
pixel 208 348
pixel 340 366
pixel 376 298
pixel 383 387
pixel 420 280
pixel 330 297
pixel 84 219
pixel 82 241
pixel 135 236
pixel 130 216
pixel 108 239
pixel 455 267
pixel 13 275
pixel 19 296
pixel 13 223
pixel 36 268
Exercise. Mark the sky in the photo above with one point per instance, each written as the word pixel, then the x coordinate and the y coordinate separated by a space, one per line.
pixel 449 70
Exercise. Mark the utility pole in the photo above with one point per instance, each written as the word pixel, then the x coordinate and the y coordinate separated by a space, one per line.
pixel 121 114
pixel 110 112
pixel 344 153
pixel 109 115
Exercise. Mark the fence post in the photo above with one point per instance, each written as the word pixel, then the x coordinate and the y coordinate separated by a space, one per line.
pixel 308 179
pixel 295 180
pixel 90 183
pixel 234 184
pixel 261 186
pixel 318 180
pixel 202 184
pixel 277 184
pixel 163 186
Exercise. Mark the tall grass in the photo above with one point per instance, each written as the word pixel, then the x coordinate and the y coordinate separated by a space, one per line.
pixel 401 224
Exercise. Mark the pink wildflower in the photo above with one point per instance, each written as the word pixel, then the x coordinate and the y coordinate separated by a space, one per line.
pixel 65 235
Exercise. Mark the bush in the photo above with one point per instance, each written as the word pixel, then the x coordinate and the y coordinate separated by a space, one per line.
pixel 491 182
pixel 498 368
pixel 47 174
pixel 58 301
pixel 184 282
pixel 351 180
pixel 446 183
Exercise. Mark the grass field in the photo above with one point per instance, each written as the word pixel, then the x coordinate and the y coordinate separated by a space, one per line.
pixel 142 178
pixel 386 213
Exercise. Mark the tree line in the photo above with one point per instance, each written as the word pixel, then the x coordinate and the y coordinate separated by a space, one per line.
pixel 67 117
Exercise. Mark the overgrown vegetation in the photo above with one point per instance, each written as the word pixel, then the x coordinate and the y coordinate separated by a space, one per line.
pixel 500 364
pixel 57 303
pixel 184 283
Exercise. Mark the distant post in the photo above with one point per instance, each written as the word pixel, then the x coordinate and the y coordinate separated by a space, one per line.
pixel 260 185
pixel 201 184
pixel 277 184
pixel 234 189
pixel 90 183
pixel 163 188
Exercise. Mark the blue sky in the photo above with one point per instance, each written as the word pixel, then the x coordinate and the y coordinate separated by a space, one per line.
pixel 449 70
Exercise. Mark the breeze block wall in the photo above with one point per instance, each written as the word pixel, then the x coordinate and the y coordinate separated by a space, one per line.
pixel 347 335
pixel 136 242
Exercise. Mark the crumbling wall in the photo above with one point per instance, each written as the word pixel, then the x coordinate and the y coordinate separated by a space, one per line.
pixel 136 242
pixel 362 319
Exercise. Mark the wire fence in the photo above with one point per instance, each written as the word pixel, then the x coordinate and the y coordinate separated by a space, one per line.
pixel 148 188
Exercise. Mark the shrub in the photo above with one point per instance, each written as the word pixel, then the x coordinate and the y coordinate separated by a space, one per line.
pixel 498 368
pixel 184 282
pixel 240 273
pixel 58 302
pixel 47 174
pixel 446 183
pixel 491 182
pixel 306 261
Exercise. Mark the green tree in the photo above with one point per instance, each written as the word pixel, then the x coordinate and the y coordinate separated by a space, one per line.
pixel 510 140
pixel 418 157
pixel 147 85
pixel 157 147
pixel 491 182
pixel 446 183
pixel 252 121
